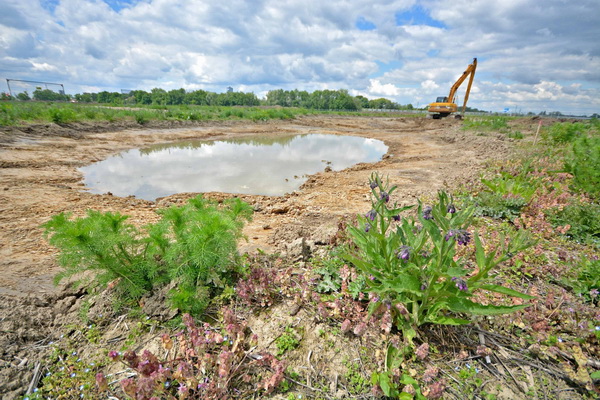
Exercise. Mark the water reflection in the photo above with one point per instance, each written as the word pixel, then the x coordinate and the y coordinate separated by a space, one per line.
pixel 264 166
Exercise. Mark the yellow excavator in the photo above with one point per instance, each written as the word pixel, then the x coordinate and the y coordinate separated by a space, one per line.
pixel 445 106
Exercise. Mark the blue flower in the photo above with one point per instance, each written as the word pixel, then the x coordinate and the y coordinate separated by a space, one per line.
pixel 460 284
pixel 371 215
pixel 403 252
pixel 427 213
pixel 462 236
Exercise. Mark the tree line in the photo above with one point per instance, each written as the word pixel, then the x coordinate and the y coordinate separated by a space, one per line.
pixel 319 99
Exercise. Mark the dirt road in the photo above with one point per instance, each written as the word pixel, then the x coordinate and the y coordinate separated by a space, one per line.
pixel 39 178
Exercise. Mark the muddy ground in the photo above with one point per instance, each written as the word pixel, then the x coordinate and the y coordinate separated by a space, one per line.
pixel 39 178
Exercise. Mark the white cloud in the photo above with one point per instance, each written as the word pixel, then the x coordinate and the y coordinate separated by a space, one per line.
pixel 550 48
pixel 387 89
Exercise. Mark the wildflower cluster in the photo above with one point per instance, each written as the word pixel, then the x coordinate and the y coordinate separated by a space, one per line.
pixel 414 274
pixel 202 362
pixel 70 376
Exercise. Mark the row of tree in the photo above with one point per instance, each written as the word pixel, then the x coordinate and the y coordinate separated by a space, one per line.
pixel 328 100
pixel 319 99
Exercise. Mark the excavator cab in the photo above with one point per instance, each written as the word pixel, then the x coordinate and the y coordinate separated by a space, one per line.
pixel 444 105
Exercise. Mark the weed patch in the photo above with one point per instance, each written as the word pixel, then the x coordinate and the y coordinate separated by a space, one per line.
pixel 412 266
pixel 582 221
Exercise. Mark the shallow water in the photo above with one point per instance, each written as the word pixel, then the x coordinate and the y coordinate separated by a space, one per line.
pixel 260 165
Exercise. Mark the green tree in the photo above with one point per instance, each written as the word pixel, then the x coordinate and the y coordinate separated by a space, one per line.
pixel 175 97
pixel 48 95
pixel 24 96
pixel 159 96
pixel 84 98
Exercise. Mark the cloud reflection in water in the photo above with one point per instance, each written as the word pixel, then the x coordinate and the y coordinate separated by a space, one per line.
pixel 261 166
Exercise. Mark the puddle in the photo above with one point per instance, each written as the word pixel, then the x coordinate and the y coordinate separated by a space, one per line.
pixel 259 166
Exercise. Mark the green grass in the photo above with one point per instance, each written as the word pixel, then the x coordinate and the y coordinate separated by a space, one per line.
pixel 491 123
pixel 18 113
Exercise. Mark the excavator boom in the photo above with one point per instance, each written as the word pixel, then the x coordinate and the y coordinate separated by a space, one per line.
pixel 446 106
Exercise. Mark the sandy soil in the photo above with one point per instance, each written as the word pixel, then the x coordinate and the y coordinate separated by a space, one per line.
pixel 40 178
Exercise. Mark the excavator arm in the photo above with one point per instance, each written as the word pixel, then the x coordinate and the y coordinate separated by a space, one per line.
pixel 445 106
pixel 469 72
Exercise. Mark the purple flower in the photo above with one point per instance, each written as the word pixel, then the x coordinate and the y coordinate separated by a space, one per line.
pixel 404 252
pixel 367 227
pixel 427 213
pixel 396 217
pixel 373 184
pixel 371 215
pixel 451 209
pixel 183 389
pixel 384 196
pixel 460 284
pixel 462 236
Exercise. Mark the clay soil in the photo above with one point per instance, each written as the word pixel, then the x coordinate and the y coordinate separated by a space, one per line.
pixel 39 178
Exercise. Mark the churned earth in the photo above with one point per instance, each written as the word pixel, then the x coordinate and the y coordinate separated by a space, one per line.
pixel 39 178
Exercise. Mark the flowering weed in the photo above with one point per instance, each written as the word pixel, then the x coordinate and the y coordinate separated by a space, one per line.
pixel 414 272
pixel 201 362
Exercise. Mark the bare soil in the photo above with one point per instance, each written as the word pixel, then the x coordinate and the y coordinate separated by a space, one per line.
pixel 40 178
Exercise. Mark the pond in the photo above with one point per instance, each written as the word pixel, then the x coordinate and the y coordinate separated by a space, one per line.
pixel 258 165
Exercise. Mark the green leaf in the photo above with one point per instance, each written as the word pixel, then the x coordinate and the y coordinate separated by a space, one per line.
pixel 456 271
pixel 479 253
pixel 385 384
pixel 404 283
pixel 408 380
pixel 443 320
pixel 468 307
pixel 507 291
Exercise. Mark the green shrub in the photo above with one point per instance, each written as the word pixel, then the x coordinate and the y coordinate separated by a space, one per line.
pixel 583 219
pixel 486 123
pixel 584 165
pixel 105 244
pixel 193 245
pixel 198 244
pixel 567 132
pixel 499 206
pixel 515 135
pixel 587 282
pixel 62 115
pixel 505 195
pixel 7 114
pixel 412 272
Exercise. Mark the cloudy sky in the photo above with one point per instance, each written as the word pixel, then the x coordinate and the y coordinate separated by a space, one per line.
pixel 532 55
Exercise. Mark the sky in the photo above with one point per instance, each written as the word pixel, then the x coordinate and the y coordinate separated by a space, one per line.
pixel 532 55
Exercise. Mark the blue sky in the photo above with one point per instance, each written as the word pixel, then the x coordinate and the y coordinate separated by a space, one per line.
pixel 532 56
